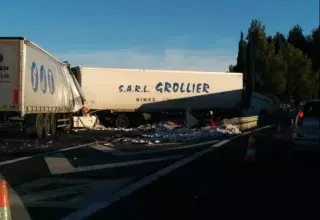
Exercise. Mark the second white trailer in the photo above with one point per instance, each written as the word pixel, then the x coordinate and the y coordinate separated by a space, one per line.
pixel 119 93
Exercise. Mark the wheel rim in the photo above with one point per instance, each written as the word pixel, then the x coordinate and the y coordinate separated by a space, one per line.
pixel 46 125
pixel 69 127
pixel 122 122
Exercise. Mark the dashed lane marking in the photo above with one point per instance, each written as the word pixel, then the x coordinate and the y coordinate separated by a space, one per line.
pixel 58 163
pixel 105 149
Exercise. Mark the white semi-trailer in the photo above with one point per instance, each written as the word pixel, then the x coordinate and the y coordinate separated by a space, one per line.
pixel 120 95
pixel 37 92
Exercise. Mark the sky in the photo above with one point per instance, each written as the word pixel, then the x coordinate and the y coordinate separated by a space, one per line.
pixel 149 34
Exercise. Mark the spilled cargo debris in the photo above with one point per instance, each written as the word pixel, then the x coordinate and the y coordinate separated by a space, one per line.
pixel 166 132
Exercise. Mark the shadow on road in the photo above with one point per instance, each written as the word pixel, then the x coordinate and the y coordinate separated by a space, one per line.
pixel 282 184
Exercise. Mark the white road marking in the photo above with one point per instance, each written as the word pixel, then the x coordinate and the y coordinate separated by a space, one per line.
pixel 95 207
pixel 113 165
pixel 89 189
pixel 44 154
pixel 121 153
pixel 106 149
pixel 58 163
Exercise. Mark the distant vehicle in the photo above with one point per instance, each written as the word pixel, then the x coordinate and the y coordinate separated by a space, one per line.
pixel 307 124
pixel 38 93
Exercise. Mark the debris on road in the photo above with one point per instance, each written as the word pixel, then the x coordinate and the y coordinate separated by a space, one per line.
pixel 166 132
pixel 170 132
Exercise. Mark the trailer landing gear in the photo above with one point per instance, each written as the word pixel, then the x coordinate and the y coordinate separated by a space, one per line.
pixel 68 124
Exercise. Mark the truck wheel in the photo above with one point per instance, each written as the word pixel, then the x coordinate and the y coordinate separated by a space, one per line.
pixel 122 121
pixel 39 125
pixel 46 126
pixel 53 123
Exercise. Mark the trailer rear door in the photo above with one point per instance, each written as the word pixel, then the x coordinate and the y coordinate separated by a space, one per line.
pixel 9 75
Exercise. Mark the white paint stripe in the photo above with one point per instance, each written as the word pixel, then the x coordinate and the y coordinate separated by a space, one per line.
pixel 58 163
pixel 44 154
pixel 120 164
pixel 121 153
pixel 83 214
pixel 106 149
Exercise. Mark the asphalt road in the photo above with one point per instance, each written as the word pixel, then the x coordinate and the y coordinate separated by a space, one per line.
pixel 51 179
pixel 282 184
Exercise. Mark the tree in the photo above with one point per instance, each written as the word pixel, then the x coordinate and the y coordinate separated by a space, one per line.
pixel 241 59
pixel 279 42
pixel 231 68
pixel 258 55
pixel 299 74
pixel 297 39
pixel 277 70
pixel 279 65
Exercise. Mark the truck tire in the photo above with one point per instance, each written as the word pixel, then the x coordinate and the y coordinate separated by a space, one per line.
pixel 46 126
pixel 122 121
pixel 53 125
pixel 39 125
